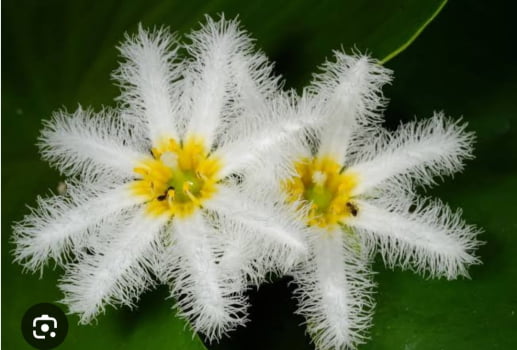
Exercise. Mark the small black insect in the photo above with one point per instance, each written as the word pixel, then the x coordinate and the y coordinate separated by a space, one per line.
pixel 352 207
pixel 163 196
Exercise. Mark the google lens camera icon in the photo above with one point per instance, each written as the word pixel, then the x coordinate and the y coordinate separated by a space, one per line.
pixel 44 326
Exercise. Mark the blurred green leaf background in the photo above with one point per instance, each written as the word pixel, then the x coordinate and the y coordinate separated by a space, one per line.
pixel 60 53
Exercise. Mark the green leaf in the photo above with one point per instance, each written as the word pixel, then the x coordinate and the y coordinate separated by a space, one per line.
pixel 59 53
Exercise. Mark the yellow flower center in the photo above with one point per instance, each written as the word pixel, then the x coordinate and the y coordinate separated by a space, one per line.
pixel 321 182
pixel 178 178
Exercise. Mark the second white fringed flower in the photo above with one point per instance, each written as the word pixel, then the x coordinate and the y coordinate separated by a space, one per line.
pixel 355 184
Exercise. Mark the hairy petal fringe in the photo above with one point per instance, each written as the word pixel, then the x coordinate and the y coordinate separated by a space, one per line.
pixel 421 150
pixel 283 128
pixel 60 224
pixel 90 145
pixel 347 96
pixel 334 292
pixel 209 299
pixel 259 238
pixel 118 269
pixel 256 89
pixel 149 77
pixel 209 89
pixel 430 239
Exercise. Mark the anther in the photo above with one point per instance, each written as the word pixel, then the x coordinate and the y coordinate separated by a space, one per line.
pixel 201 175
pixel 170 195
pixel 141 171
pixel 352 208
pixel 155 152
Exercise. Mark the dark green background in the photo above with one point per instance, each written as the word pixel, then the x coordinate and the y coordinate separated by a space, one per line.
pixel 60 53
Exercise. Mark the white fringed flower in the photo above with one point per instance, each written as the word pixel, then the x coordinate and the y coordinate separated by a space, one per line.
pixel 155 188
pixel 356 182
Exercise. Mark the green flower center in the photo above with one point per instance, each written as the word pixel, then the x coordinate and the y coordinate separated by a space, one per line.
pixel 185 184
pixel 320 196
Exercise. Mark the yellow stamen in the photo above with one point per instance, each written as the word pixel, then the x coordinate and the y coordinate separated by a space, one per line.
pixel 140 171
pixel 170 197
pixel 178 178
pixel 189 194
pixel 320 182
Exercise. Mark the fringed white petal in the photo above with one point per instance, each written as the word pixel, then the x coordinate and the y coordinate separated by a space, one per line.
pixel 116 270
pixel 334 292
pixel 89 145
pixel 148 77
pixel 272 142
pixel 277 234
pixel 60 223
pixel 264 114
pixel 210 299
pixel 256 89
pixel 347 95
pixel 240 257
pixel 209 87
pixel 431 238
pixel 422 150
